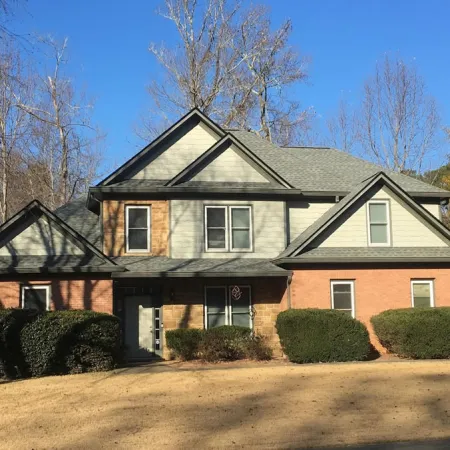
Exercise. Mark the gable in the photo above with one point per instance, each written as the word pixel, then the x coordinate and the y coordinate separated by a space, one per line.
pixel 408 229
pixel 229 166
pixel 186 149
pixel 38 237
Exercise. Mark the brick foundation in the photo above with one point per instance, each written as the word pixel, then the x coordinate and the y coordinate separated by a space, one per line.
pixel 376 290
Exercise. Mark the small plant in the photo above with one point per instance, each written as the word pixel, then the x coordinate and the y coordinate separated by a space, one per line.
pixel 184 343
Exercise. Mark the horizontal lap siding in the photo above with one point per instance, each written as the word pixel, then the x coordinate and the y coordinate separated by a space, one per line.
pixel 89 294
pixel 187 229
pixel 376 290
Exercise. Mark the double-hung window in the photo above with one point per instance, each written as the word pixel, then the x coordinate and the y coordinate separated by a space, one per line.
pixel 36 297
pixel 343 296
pixel 227 305
pixel 138 228
pixel 228 228
pixel 378 223
pixel 422 293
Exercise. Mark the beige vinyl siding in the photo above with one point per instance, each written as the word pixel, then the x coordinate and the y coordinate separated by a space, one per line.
pixel 303 214
pixel 407 228
pixel 434 209
pixel 182 153
pixel 187 238
pixel 230 167
pixel 40 238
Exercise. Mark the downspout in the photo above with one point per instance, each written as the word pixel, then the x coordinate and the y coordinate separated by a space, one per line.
pixel 288 288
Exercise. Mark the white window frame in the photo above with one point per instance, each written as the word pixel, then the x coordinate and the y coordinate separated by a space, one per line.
pixel 250 228
pixel 228 228
pixel 36 286
pixel 418 281
pixel 228 313
pixel 388 223
pixel 127 223
pixel 352 292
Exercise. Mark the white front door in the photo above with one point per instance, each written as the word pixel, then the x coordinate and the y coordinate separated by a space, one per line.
pixel 139 322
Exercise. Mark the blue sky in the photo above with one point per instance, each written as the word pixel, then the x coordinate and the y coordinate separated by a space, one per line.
pixel 108 43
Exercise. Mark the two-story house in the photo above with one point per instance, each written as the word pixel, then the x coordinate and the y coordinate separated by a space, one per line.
pixel 207 226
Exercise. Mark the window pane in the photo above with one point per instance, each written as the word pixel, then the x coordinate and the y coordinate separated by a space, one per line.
pixel 342 300
pixel 35 299
pixel 215 300
pixel 240 300
pixel 137 218
pixel 216 238
pixel 378 234
pixel 378 212
pixel 240 218
pixel 215 217
pixel 342 287
pixel 422 295
pixel 215 320
pixel 137 239
pixel 242 320
pixel 240 239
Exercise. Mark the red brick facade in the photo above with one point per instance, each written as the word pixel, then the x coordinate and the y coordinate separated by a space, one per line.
pixel 376 289
pixel 93 294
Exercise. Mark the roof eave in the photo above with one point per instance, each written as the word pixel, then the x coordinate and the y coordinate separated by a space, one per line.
pixel 56 270
pixel 359 260
pixel 206 274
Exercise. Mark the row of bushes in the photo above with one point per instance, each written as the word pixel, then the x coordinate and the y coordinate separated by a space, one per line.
pixel 225 343
pixel 35 343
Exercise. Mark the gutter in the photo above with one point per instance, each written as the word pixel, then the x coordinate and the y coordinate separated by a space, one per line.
pixel 86 269
pixel 360 260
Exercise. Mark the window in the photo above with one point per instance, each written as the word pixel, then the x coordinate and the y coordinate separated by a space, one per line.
pixel 343 296
pixel 378 223
pixel 227 305
pixel 36 297
pixel 422 293
pixel 228 228
pixel 138 228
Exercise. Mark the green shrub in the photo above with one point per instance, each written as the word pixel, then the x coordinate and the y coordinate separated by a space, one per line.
pixel 258 349
pixel 322 335
pixel 419 333
pixel 184 343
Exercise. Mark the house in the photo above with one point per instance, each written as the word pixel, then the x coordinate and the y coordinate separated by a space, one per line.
pixel 207 226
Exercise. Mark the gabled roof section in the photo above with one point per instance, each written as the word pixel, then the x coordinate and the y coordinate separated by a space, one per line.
pixel 217 149
pixel 334 213
pixel 89 258
pixel 194 116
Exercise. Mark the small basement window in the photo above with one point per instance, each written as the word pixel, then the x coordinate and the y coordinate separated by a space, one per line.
pixel 422 293
pixel 138 228
pixel 343 296
pixel 36 297
pixel 378 223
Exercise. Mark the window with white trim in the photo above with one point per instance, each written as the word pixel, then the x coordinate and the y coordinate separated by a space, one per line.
pixel 137 228
pixel 378 223
pixel 36 297
pixel 228 228
pixel 343 296
pixel 228 305
pixel 422 293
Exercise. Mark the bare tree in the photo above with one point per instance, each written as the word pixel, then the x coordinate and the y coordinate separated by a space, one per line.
pixel 342 128
pixel 399 122
pixel 230 64
pixel 63 135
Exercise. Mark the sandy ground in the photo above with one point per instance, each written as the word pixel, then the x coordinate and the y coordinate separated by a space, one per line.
pixel 251 406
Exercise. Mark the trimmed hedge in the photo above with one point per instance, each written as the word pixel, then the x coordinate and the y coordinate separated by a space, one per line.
pixel 224 343
pixel 322 335
pixel 419 333
pixel 58 342
pixel 184 342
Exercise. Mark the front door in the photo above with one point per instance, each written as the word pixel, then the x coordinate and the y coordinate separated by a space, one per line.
pixel 139 324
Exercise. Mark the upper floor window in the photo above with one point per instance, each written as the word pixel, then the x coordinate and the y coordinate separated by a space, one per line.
pixel 228 228
pixel 138 228
pixel 378 223
pixel 422 293
pixel 36 297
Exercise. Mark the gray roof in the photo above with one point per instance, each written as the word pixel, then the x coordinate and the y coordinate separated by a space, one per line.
pixel 236 267
pixel 60 263
pixel 371 254
pixel 86 223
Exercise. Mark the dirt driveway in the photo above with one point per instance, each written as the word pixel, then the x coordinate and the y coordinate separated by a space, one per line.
pixel 268 406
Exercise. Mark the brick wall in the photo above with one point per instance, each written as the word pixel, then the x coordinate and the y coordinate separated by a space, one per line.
pixel 376 290
pixel 93 294
pixel 114 227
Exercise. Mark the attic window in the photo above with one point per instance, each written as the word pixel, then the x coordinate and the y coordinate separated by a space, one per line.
pixel 378 221
pixel 138 228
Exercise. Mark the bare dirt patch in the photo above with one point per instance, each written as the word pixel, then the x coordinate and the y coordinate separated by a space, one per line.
pixel 260 406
